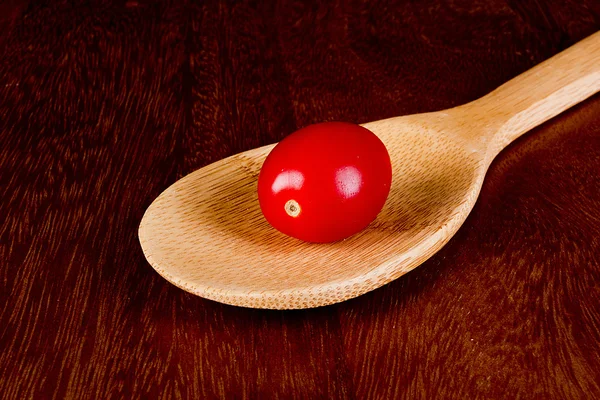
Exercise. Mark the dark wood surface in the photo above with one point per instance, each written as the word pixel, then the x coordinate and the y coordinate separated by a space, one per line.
pixel 103 105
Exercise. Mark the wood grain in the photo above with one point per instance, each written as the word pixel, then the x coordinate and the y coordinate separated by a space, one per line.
pixel 104 105
pixel 206 233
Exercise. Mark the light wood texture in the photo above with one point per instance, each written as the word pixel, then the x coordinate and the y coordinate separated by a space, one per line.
pixel 206 234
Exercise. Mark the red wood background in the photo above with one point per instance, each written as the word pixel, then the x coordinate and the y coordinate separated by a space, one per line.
pixel 105 104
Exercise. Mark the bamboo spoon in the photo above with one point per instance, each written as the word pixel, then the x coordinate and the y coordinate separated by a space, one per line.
pixel 206 233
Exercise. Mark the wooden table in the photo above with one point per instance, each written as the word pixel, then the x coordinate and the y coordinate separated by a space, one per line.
pixel 103 106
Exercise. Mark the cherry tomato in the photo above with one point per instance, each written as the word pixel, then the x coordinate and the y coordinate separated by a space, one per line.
pixel 325 182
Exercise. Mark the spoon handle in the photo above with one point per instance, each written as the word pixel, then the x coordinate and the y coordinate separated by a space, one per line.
pixel 541 93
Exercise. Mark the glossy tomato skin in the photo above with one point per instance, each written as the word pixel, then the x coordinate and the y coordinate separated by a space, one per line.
pixel 325 182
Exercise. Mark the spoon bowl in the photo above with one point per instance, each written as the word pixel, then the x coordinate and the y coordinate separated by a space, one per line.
pixel 206 233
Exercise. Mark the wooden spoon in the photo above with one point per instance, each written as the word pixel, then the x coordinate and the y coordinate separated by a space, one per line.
pixel 206 233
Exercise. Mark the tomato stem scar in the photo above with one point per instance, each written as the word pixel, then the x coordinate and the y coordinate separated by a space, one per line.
pixel 292 208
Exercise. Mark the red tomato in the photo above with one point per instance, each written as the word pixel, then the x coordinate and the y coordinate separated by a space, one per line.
pixel 325 182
